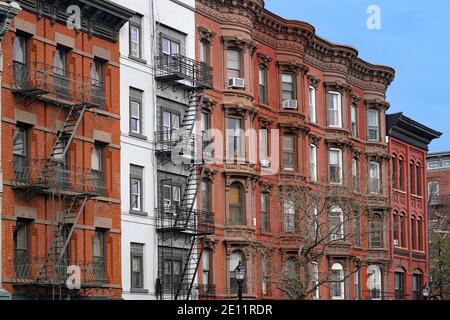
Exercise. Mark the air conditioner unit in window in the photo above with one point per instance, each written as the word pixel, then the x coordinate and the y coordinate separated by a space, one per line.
pixel 395 242
pixel 265 163
pixel 236 83
pixel 290 104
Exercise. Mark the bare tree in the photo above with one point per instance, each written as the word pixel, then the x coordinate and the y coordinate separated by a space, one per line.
pixel 324 218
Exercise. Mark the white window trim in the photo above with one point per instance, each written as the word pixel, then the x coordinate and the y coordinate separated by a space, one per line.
pixel 312 104
pixel 339 110
pixel 313 162
pixel 340 268
pixel 378 178
pixel 340 158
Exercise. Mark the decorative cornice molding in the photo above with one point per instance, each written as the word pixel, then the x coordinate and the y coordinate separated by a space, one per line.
pixel 377 104
pixel 239 42
pixel 294 66
pixel 7 12
pixel 339 86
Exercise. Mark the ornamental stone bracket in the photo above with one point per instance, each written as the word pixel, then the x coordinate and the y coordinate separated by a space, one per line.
pixel 314 139
pixel 294 66
pixel 265 123
pixel 208 104
pixel 340 143
pixel 338 86
pixel 7 12
pixel 205 34
pixel 264 59
pixel 355 99
pixel 313 81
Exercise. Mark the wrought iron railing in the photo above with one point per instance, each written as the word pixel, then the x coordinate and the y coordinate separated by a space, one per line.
pixel 58 176
pixel 176 218
pixel 31 272
pixel 178 67
pixel 57 84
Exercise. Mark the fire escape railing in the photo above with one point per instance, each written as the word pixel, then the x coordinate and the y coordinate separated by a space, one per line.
pixel 176 218
pixel 50 82
pixel 58 177
pixel 178 67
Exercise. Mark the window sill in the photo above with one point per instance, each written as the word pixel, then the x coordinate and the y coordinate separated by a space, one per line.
pixel 137 135
pixel 139 291
pixel 140 60
pixel 399 191
pixel 139 213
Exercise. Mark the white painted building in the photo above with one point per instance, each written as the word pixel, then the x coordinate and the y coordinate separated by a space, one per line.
pixel 139 259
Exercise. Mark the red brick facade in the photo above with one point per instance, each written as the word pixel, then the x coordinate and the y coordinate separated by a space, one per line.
pixel 42 119
pixel 292 47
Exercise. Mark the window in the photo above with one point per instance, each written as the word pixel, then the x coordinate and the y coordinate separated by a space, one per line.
pixel 373 125
pixel 354 118
pixel 399 285
pixel 135 37
pixel 289 216
pixel 374 282
pixel 264 212
pixel 235 137
pixel 97 94
pixel 263 146
pixel 412 178
pixel 357 287
pixel 137 265
pixel 291 269
pixel 235 258
pixel 315 280
pixel 312 104
pixel 414 233
pixel 263 84
pixel 402 231
pixel 172 261
pixel 376 231
pixel 234 63
pixel 236 205
pixel 264 276
pixel 170 48
pixel 394 173
pixel 357 229
pixel 206 195
pixel 434 165
pixel 288 152
pixel 205 123
pixel 396 227
pixel 337 282
pixel 313 162
pixel 205 52
pixel 98 176
pixel 334 109
pixel 170 123
pixel 171 197
pixel 401 169
pixel 374 177
pixel 136 177
pixel 355 174
pixel 420 234
pixel 336 224
pixel 419 180
pixel 417 286
pixel 287 87
pixel 335 166
pixel 136 123
pixel 98 249
pixel 60 80
pixel 433 192
pixel 20 154
pixel 21 252
pixel 20 60
pixel 206 271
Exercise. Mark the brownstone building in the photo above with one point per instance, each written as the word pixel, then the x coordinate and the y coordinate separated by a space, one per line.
pixel 292 107
pixel 61 150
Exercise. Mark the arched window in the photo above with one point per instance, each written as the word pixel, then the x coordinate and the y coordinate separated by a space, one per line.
pixel 399 284
pixel 420 234
pixel 402 231
pixel 337 282
pixel 376 231
pixel 413 233
pixel 417 285
pixel 291 269
pixel 235 258
pixel 236 204
pixel 374 282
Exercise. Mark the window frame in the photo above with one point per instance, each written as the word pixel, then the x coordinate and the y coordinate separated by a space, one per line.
pixel 289 151
pixel 376 232
pixel 339 282
pixel 264 209
pixel 375 182
pixel 313 168
pixel 138 252
pixel 138 26
pixel 263 92
pixel 339 166
pixel 240 207
pixel 312 104
pixel 230 70
pixel 289 216
pixel 373 127
pixel 293 93
pixel 236 138
pixel 139 178
pixel 354 120
pixel 337 109
pixel 136 98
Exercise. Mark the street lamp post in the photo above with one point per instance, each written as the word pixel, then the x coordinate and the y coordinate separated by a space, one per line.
pixel 426 292
pixel 239 274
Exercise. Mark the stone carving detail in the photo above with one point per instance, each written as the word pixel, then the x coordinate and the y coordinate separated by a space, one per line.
pixel 263 59
pixel 313 81
pixel 205 34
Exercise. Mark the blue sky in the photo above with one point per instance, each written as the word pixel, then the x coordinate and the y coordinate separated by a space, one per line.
pixel 414 39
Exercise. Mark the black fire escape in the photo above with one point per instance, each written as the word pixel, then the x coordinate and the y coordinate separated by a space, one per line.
pixel 183 221
pixel 68 187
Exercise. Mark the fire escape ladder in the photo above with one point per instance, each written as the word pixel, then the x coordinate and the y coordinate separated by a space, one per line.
pixel 66 135
pixel 195 102
pixel 190 269
pixel 190 195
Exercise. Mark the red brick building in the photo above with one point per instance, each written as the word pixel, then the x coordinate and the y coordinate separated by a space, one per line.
pixel 408 145
pixel 275 75
pixel 61 150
